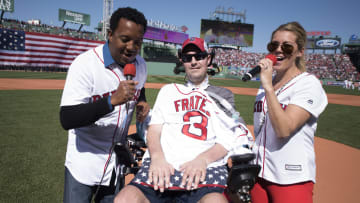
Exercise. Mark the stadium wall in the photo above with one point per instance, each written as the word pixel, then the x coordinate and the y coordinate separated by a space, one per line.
pixel 158 68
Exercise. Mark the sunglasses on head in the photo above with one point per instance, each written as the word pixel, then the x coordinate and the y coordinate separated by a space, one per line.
pixel 285 47
pixel 198 56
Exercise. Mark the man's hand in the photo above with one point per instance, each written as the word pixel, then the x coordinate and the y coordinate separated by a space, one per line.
pixel 124 93
pixel 159 174
pixel 142 110
pixel 193 172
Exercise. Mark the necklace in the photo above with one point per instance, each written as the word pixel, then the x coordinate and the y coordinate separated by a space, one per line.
pixel 283 86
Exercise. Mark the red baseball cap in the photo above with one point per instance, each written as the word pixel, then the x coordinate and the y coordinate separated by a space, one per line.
pixel 198 42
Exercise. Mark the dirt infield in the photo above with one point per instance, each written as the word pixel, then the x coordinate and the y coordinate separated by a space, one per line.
pixel 338 165
pixel 14 84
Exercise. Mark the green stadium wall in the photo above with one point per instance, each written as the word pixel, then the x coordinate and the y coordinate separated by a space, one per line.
pixel 158 68
pixel 167 69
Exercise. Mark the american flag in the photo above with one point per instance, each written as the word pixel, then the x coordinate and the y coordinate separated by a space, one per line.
pixel 215 177
pixel 19 48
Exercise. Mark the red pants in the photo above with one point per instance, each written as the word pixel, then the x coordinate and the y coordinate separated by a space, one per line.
pixel 268 192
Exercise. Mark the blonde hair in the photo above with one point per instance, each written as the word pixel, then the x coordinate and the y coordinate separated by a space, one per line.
pixel 300 34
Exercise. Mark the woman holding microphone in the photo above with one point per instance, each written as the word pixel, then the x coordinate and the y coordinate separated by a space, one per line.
pixel 286 110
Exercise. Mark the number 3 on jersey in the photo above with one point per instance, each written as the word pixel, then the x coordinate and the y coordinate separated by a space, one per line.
pixel 201 133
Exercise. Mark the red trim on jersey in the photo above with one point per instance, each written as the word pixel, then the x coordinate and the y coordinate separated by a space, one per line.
pixel 308 74
pixel 117 124
pixel 264 148
pixel 102 61
pixel 263 107
pixel 287 87
pixel 191 92
pixel 263 111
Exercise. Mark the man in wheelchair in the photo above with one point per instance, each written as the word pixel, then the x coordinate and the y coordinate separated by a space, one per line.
pixel 193 131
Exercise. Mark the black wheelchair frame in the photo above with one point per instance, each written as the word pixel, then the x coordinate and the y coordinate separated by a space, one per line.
pixel 241 179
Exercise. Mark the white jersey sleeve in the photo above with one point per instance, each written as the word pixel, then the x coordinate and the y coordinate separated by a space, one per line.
pixel 160 107
pixel 79 82
pixel 309 95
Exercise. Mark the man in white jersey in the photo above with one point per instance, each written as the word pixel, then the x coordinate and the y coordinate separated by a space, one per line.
pixel 189 140
pixel 97 106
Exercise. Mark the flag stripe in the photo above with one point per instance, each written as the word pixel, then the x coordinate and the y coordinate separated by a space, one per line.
pixel 63 43
pixel 18 48
pixel 29 54
pixel 52 46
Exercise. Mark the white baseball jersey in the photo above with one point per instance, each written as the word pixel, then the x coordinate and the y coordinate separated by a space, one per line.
pixel 91 76
pixel 292 159
pixel 193 123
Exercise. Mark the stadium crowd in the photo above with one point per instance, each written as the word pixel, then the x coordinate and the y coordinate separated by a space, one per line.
pixel 324 66
pixel 238 62
pixel 49 29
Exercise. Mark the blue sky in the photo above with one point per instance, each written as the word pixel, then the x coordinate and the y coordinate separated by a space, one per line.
pixel 341 17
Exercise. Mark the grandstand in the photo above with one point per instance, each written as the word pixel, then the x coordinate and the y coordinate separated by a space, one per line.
pixel 162 48
pixel 49 29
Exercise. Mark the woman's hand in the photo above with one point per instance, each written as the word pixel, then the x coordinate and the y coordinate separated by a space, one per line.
pixel 266 73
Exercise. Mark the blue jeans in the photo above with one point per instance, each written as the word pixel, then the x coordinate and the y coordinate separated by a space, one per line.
pixel 75 192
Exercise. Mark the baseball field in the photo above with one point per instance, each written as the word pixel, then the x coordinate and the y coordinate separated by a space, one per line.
pixel 33 144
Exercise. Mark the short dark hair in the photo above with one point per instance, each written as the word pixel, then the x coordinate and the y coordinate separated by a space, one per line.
pixel 130 14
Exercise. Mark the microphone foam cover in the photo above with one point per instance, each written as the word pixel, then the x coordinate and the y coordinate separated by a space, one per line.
pixel 130 69
pixel 272 57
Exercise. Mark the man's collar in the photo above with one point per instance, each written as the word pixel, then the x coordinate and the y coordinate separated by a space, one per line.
pixel 108 59
pixel 203 85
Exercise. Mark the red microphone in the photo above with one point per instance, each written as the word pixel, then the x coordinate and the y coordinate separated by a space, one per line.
pixel 129 71
pixel 257 69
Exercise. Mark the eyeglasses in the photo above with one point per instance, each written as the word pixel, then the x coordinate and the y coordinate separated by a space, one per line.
pixel 188 57
pixel 285 47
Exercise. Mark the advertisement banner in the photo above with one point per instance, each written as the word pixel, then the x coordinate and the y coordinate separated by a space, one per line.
pixel 327 43
pixel 228 33
pixel 7 5
pixel 163 35
pixel 74 17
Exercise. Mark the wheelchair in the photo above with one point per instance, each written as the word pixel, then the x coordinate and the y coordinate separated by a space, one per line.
pixel 241 179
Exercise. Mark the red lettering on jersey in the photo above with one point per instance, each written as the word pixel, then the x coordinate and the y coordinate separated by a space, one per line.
pixel 136 95
pixel 95 98
pixel 106 94
pixel 258 106
pixel 202 126
pixel 176 103
pixel 197 101
pixel 201 108
pixel 283 106
pixel 191 105
pixel 185 104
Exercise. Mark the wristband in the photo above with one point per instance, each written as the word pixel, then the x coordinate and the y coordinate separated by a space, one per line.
pixel 111 107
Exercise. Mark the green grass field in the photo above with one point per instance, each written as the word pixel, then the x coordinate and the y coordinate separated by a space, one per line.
pixel 33 144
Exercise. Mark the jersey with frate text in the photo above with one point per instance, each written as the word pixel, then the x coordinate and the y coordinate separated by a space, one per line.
pixel 192 123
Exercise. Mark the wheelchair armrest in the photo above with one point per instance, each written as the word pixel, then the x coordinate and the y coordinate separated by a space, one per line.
pixel 242 158
pixel 242 174
pixel 124 155
pixel 136 141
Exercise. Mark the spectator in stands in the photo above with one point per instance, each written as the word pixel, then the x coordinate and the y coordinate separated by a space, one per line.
pixel 189 139
pixel 97 106
pixel 286 110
